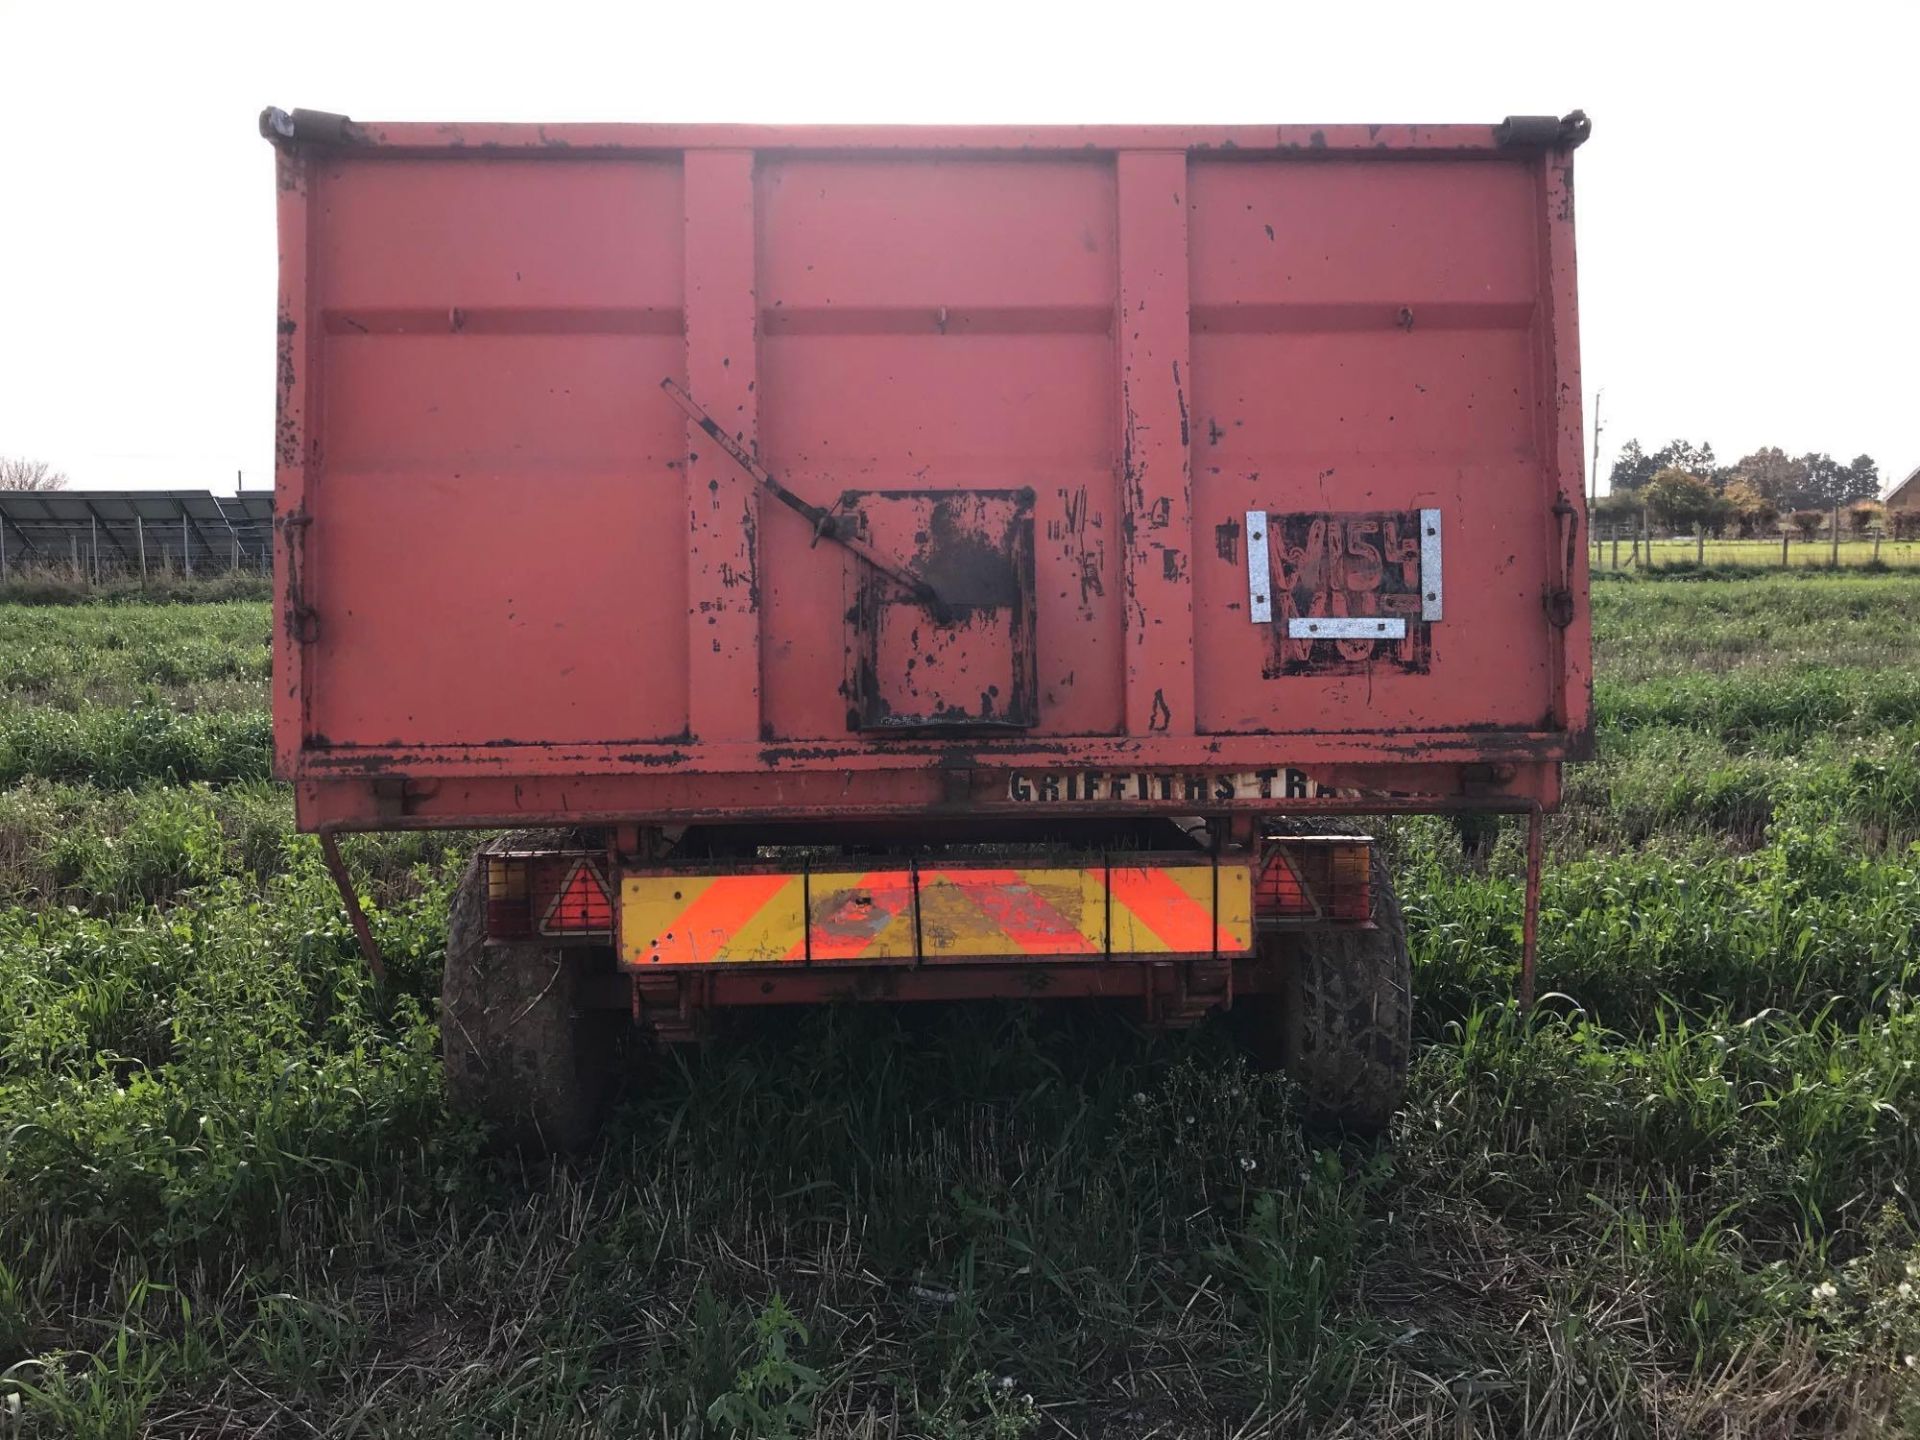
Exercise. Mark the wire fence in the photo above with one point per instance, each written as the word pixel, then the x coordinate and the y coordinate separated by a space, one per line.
pixel 1623 547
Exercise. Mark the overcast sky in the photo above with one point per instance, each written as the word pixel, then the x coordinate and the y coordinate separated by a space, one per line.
pixel 1749 206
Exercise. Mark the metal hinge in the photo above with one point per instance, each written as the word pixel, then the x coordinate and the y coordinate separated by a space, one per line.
pixel 303 624
pixel 1543 132
pixel 309 127
pixel 1560 606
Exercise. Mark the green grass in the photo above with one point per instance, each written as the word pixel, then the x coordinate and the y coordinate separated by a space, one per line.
pixel 1676 1200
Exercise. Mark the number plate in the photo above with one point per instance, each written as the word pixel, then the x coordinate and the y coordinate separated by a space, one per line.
pixel 1341 570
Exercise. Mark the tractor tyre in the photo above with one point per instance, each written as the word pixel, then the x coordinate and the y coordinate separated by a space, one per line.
pixel 519 1051
pixel 1342 1024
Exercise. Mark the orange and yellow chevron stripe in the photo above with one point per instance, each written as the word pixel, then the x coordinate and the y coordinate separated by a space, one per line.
pixel 937 913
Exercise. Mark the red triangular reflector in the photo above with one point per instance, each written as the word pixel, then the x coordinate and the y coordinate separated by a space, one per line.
pixel 583 904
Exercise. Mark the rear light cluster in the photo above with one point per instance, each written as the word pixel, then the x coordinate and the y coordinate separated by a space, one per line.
pixel 533 896
pixel 1315 878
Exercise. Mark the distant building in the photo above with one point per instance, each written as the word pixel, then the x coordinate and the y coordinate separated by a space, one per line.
pixel 1904 498
pixel 1903 508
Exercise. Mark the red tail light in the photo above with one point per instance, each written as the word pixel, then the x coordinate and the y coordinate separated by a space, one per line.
pixel 1319 877
pixel 560 895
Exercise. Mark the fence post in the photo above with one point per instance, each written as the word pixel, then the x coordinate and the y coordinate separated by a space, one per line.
pixel 1876 549
pixel 1616 544
pixel 1785 536
pixel 140 534
pixel 1834 557
pixel 186 544
pixel 1699 546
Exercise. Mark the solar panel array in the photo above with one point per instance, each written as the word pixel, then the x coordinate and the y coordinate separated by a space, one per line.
pixel 93 534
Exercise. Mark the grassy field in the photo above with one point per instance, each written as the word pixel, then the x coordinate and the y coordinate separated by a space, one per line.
pixel 1682 553
pixel 1677 1201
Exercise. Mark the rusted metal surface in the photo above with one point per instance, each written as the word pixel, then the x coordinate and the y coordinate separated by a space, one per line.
pixel 827 525
pixel 1152 335
pixel 1051 790
pixel 1174 994
pixel 955 649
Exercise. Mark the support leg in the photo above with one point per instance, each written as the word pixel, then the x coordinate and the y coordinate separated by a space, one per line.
pixel 1530 922
pixel 356 917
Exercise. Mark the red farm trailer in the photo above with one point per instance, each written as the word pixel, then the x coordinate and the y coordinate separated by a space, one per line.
pixel 924 564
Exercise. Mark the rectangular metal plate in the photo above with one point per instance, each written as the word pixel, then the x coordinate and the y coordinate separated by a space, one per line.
pixel 1347 627
pixel 1431 592
pixel 1259 569
pixel 937 913
pixel 972 667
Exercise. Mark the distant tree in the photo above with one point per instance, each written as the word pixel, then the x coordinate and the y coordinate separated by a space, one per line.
pixel 30 475
pixel 1751 511
pixel 1632 468
pixel 1863 478
pixel 1808 522
pixel 1773 474
pixel 1826 479
pixel 1829 483
pixel 1684 455
pixel 1677 499
pixel 1863 517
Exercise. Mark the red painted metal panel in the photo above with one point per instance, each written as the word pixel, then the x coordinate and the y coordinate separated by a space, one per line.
pixel 1153 322
pixel 902 350
pixel 516 583
pixel 723 597
pixel 1312 394
pixel 487 478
